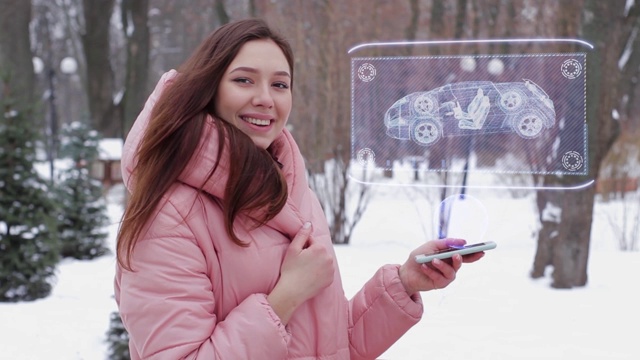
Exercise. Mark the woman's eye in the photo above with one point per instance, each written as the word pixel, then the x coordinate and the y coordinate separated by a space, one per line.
pixel 281 85
pixel 242 80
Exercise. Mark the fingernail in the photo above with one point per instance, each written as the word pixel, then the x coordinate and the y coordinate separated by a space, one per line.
pixel 306 225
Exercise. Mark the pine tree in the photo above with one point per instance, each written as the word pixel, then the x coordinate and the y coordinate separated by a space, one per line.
pixel 29 248
pixel 83 216
pixel 117 339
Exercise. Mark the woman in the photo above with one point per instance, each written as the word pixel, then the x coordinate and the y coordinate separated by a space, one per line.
pixel 223 251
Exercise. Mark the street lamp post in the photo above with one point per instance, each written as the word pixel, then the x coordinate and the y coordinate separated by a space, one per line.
pixel 68 66
pixel 51 131
pixel 53 121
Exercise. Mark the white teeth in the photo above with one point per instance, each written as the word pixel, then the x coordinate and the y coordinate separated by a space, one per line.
pixel 254 121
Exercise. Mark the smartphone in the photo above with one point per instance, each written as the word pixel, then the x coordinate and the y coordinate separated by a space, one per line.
pixel 462 250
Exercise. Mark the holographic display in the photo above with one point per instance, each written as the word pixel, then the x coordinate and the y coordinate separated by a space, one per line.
pixel 486 114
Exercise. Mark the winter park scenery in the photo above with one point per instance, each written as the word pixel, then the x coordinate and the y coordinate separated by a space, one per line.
pixel 494 310
pixel 562 282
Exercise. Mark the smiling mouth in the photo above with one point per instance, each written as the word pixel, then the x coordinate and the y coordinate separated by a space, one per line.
pixel 254 121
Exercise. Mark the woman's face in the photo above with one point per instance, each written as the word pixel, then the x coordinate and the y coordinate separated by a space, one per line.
pixel 255 92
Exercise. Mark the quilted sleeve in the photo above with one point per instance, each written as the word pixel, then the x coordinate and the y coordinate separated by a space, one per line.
pixel 380 313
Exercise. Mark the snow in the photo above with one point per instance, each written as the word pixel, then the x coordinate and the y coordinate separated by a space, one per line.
pixel 615 114
pixel 628 49
pixel 552 213
pixel 69 65
pixel 493 310
pixel 110 149
pixel 627 6
pixel 468 64
pixel 117 97
pixel 44 168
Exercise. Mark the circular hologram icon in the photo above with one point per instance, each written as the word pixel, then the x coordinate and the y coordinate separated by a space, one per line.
pixel 366 72
pixel 571 69
pixel 461 216
pixel 366 157
pixel 572 160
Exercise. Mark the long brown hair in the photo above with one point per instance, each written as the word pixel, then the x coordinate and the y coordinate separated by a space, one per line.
pixel 173 134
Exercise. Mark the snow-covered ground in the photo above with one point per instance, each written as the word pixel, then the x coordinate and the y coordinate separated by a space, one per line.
pixel 492 311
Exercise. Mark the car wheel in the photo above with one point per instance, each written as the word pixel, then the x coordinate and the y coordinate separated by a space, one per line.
pixel 425 105
pixel 512 101
pixel 425 131
pixel 528 125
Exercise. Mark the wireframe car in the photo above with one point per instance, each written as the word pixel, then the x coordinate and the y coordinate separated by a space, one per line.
pixel 468 108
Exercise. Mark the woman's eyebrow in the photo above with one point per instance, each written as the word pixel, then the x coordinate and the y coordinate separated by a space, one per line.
pixel 252 70
pixel 282 73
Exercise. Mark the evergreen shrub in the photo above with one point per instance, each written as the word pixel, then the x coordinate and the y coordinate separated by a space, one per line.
pixel 117 339
pixel 29 247
pixel 83 218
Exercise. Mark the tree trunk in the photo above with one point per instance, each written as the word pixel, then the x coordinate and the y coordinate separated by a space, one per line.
pixel 221 12
pixel 138 43
pixel 571 254
pixel 547 234
pixel 15 52
pixel 608 29
pixel 551 203
pixel 100 77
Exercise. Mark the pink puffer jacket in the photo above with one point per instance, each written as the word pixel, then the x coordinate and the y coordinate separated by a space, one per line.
pixel 194 294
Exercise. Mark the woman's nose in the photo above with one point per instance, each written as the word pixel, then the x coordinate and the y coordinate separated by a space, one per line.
pixel 263 97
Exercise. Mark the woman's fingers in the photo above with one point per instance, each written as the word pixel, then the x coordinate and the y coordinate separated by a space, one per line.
pixel 299 242
pixel 473 257
pixel 445 269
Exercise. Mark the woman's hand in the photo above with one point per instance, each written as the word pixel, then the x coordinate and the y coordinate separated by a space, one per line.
pixel 437 274
pixel 308 267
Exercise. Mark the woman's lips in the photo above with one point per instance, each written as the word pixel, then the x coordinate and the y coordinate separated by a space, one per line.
pixel 257 122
